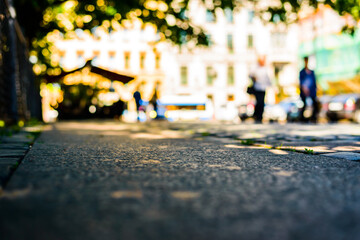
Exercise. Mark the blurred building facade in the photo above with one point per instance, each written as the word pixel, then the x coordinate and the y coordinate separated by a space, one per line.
pixel 237 38
pixel 219 72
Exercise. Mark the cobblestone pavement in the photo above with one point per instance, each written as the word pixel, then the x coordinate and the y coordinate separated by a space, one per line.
pixel 334 140
pixel 109 180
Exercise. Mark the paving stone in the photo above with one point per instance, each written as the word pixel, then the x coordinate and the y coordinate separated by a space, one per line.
pixel 345 155
pixel 11 153
pixel 5 168
pixel 328 138
pixel 14 146
pixel 4 161
pixel 21 138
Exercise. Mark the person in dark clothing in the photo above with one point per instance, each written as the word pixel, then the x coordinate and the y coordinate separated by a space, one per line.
pixel 308 89
pixel 154 100
pixel 137 97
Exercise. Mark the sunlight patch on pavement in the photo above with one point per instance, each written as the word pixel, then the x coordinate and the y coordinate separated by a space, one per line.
pixel 346 148
pixel 252 136
pixel 150 161
pixel 154 136
pixel 171 134
pixel 146 136
pixel 316 149
pixel 15 194
pixel 90 126
pixel 185 195
pixel 234 146
pixel 255 147
pixel 232 168
pixel 264 145
pixel 215 165
pixel 127 194
pixel 284 173
pixel 108 160
pixel 115 133
pixel 120 160
pixel 278 152
pixel 320 149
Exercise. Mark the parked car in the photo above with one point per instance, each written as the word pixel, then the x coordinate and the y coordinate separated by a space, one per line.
pixel 324 105
pixel 292 108
pixel 344 106
pixel 275 112
pixel 227 112
pixel 246 110
pixel 288 109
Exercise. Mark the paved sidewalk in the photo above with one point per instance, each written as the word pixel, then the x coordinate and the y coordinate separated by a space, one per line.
pixel 13 148
pixel 109 180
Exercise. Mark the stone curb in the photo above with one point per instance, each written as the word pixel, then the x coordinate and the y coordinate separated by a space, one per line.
pixel 13 149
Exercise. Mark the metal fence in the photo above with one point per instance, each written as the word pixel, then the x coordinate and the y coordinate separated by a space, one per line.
pixel 19 89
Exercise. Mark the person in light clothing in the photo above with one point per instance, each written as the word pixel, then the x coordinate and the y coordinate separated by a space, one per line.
pixel 261 80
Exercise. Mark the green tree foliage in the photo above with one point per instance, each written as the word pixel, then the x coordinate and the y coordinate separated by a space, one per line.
pixel 287 8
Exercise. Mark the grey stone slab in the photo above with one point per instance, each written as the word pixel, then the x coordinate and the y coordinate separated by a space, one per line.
pixel 17 146
pixel 18 138
pixel 4 161
pixel 345 155
pixel 11 153
pixel 13 140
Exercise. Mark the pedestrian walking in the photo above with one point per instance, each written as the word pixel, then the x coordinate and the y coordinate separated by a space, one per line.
pixel 308 90
pixel 137 97
pixel 261 81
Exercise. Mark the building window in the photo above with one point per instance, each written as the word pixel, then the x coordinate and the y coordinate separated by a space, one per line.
pixel 142 60
pixel 111 59
pixel 278 40
pixel 183 36
pixel 210 16
pixel 80 58
pixel 209 39
pixel 230 98
pixel 95 57
pixel 62 58
pixel 229 15
pixel 157 60
pixel 127 60
pixel 230 76
pixel 111 54
pixel 250 43
pixel 230 43
pixel 251 16
pixel 210 75
pixel 184 75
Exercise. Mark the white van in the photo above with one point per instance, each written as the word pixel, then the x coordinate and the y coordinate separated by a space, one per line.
pixel 186 107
